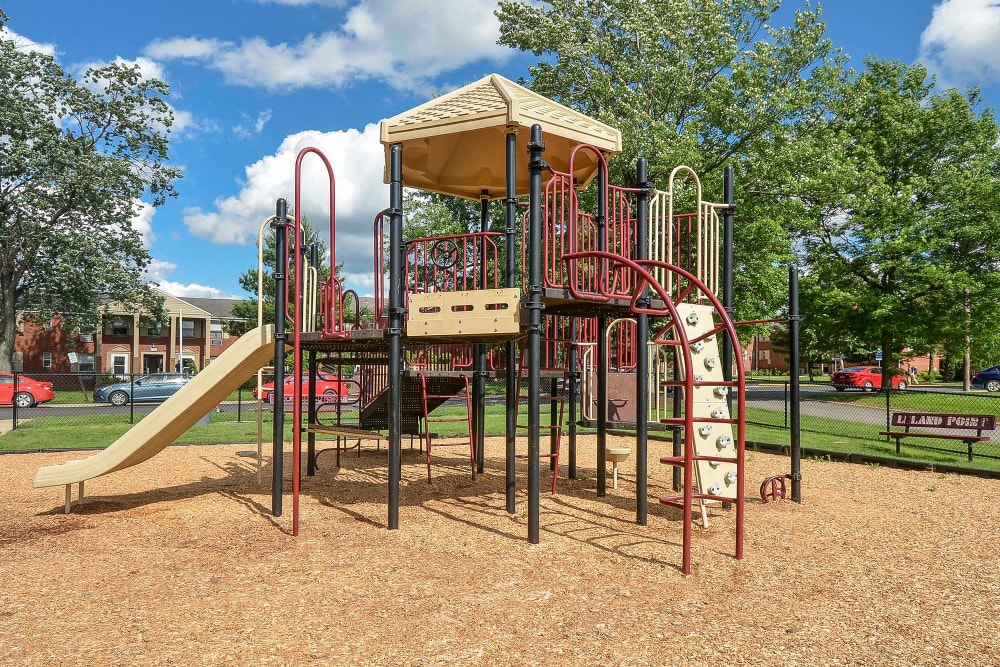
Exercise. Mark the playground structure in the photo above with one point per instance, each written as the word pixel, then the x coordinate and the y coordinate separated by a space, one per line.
pixel 560 296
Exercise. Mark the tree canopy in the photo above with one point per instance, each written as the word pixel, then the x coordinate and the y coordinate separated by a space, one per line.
pixel 899 228
pixel 77 158
pixel 706 83
pixel 884 188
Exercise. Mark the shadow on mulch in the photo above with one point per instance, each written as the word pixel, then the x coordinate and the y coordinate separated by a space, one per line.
pixel 362 479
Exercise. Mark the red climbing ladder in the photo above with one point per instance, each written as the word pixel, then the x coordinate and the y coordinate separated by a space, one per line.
pixel 436 390
pixel 553 390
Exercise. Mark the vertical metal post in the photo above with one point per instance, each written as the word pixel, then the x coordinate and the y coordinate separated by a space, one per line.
pixel 479 350
pixel 396 259
pixel 13 403
pixel 280 226
pixel 727 275
pixel 641 338
pixel 574 394
pixel 534 306
pixel 510 280
pixel 311 444
pixel 602 339
pixel 793 344
pixel 678 404
pixel 311 419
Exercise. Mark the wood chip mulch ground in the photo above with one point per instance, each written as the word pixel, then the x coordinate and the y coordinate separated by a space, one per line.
pixel 178 562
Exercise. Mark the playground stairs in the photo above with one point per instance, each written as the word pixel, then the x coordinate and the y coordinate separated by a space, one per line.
pixel 715 463
pixel 435 390
pixel 552 390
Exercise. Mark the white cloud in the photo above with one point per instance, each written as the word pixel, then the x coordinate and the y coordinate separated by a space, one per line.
pixel 24 44
pixel 248 129
pixel 357 160
pixel 143 223
pixel 159 272
pixel 960 42
pixel 195 290
pixel 376 40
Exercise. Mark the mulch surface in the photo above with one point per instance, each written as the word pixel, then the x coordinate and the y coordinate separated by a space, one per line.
pixel 178 562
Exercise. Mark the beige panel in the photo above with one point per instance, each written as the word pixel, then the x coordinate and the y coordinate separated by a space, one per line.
pixel 178 413
pixel 710 438
pixel 467 313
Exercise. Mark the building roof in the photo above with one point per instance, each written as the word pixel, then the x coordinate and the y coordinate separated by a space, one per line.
pixel 220 309
pixel 456 144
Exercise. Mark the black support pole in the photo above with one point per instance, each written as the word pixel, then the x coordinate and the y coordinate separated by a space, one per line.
pixel 311 441
pixel 280 225
pixel 574 393
pixel 727 275
pixel 478 349
pixel 602 343
pixel 395 332
pixel 641 338
pixel 534 306
pixel 510 280
pixel 793 344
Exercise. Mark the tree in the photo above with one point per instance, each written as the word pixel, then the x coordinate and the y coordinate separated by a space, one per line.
pixel 899 229
pixel 706 83
pixel 76 159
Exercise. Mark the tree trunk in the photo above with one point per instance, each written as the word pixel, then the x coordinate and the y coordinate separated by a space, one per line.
pixel 8 327
pixel 930 366
pixel 887 359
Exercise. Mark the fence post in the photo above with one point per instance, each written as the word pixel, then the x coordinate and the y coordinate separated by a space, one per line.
pixel 131 399
pixel 888 426
pixel 13 404
pixel 784 391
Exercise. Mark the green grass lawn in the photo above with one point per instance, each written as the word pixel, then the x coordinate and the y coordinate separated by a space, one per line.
pixel 819 433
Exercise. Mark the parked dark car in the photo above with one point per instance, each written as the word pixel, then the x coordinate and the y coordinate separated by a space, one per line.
pixel 988 379
pixel 866 378
pixel 30 392
pixel 152 388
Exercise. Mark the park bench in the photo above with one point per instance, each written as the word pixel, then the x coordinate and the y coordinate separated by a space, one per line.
pixel 921 421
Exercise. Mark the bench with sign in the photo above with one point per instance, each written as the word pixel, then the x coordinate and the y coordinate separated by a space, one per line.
pixel 959 427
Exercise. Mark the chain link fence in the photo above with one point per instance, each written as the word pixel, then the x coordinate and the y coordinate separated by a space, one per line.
pixel 856 420
pixel 847 421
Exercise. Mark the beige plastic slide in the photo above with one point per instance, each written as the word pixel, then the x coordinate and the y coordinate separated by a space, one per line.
pixel 177 414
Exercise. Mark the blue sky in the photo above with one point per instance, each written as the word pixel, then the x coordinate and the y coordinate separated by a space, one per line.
pixel 254 81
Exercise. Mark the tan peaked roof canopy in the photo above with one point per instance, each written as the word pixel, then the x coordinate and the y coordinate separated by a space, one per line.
pixel 455 144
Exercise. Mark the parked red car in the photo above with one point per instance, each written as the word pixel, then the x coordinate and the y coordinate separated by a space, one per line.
pixel 326 385
pixel 866 378
pixel 30 392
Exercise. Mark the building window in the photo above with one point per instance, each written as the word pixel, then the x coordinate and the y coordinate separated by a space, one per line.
pixel 216 338
pixel 87 338
pixel 154 328
pixel 86 363
pixel 46 360
pixel 187 328
pixel 119 364
pixel 119 327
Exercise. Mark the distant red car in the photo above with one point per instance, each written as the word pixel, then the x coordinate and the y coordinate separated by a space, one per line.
pixel 29 393
pixel 866 378
pixel 326 385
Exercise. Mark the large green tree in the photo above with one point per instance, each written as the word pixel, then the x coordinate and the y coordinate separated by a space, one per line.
pixel 706 83
pixel 76 160
pixel 898 215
